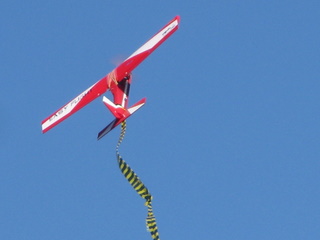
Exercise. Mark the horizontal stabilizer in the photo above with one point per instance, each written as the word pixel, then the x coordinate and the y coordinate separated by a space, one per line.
pixel 117 110
pixel 136 106
pixel 126 113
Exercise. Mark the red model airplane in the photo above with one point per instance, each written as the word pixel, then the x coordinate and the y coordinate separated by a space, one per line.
pixel 118 81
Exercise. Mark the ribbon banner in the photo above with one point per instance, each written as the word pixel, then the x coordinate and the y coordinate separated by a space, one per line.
pixel 137 184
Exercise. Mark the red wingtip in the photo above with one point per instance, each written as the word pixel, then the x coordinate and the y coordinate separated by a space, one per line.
pixel 178 18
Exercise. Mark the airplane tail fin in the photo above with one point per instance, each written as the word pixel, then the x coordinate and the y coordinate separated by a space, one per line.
pixel 120 113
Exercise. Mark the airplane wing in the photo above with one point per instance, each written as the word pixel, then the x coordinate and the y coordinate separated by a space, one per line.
pixel 75 104
pixel 123 70
pixel 144 51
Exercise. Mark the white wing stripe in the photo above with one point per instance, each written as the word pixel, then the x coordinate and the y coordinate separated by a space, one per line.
pixel 157 38
pixel 65 110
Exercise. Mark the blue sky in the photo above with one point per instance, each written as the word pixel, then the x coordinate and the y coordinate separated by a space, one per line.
pixel 228 142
